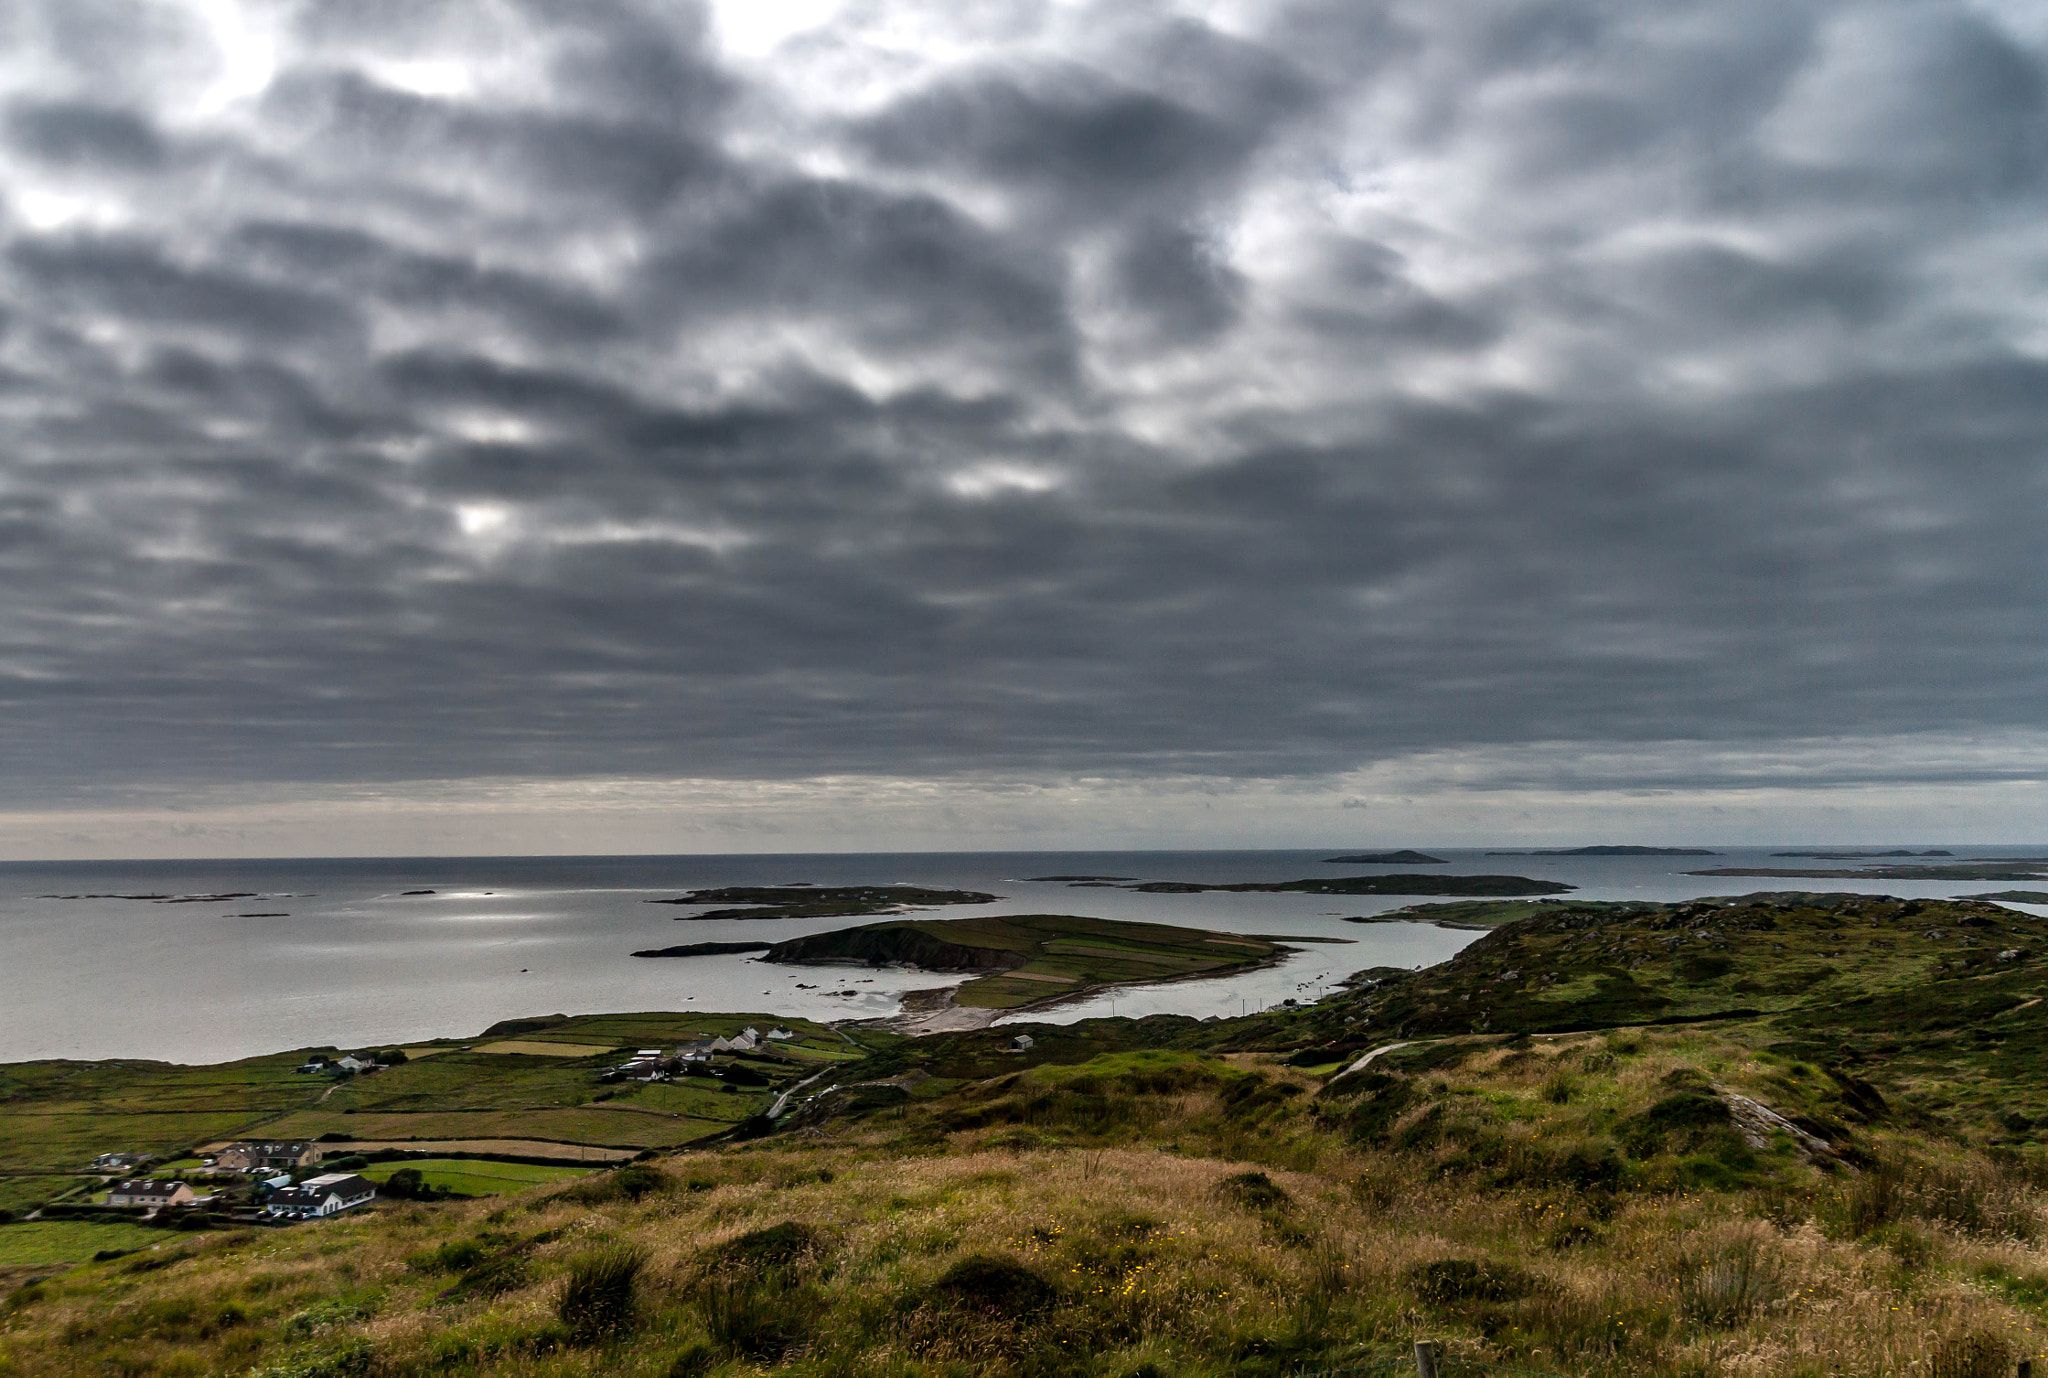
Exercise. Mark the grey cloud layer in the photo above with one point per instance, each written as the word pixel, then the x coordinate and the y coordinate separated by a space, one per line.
pixel 1090 392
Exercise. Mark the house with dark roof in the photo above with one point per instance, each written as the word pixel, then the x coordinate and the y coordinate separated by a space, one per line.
pixel 328 1194
pixel 155 1195
pixel 254 1157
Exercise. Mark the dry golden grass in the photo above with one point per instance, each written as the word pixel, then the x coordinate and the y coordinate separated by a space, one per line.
pixel 936 1240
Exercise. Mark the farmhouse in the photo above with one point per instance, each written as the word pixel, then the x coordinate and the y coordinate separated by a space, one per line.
pixel 251 1157
pixel 327 1194
pixel 142 1191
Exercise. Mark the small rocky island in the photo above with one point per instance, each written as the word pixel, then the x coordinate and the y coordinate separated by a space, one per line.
pixel 1401 858
pixel 1991 868
pixel 1609 850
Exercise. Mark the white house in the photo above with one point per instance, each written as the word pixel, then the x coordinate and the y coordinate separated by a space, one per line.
pixel 352 1063
pixel 328 1194
pixel 153 1194
pixel 780 1033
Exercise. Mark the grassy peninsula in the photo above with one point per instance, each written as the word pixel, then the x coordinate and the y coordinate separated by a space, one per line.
pixel 1032 958
pixel 1786 1134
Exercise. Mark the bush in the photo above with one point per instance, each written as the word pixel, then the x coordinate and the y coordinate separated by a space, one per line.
pixel 1872 1199
pixel 451 1257
pixel 1976 1354
pixel 628 1183
pixel 749 1293
pixel 991 1285
pixel 492 1276
pixel 758 1253
pixel 1683 1120
pixel 1254 1191
pixel 597 1302
pixel 695 1360
pixel 752 1319
pixel 1451 1280
pixel 1732 1284
pixel 407 1184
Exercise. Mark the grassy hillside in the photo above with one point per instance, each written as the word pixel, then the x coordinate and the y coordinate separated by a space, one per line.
pixel 1847 1180
pixel 527 1086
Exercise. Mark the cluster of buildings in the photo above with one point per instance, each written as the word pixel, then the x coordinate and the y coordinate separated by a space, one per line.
pixel 348 1062
pixel 271 1163
pixel 654 1064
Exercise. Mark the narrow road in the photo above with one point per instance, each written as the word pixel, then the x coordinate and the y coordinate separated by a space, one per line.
pixel 1365 1059
pixel 775 1110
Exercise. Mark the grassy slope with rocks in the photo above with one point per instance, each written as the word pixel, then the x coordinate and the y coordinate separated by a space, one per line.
pixel 1847 1181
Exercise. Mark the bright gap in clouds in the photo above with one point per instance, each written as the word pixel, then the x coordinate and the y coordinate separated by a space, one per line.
pixel 750 28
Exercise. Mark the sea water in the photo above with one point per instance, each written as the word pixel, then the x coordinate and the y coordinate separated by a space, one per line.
pixel 335 952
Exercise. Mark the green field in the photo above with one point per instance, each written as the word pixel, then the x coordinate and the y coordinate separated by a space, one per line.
pixel 472 1178
pixel 55 1117
pixel 69 1241
pixel 26 1193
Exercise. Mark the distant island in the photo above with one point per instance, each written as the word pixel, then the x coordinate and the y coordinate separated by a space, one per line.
pixel 1031 959
pixel 1485 915
pixel 2011 896
pixel 1857 856
pixel 1024 959
pixel 1613 851
pixel 1401 858
pixel 1995 868
pixel 820 901
pixel 1370 885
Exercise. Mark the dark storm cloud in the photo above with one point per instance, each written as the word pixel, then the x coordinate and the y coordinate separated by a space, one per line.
pixel 404 392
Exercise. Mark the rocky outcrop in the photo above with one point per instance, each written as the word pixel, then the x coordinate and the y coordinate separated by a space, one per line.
pixel 893 945
pixel 701 949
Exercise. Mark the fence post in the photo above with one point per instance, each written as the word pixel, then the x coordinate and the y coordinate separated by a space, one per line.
pixel 2026 1368
pixel 1425 1359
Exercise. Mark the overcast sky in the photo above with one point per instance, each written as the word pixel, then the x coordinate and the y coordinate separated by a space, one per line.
pixel 499 426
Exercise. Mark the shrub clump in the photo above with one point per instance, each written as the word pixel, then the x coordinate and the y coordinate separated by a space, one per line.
pixel 752 1295
pixel 597 1301
pixel 628 1183
pixel 1448 1281
pixel 1973 1354
pixel 994 1286
pixel 763 1251
pixel 1254 1191
pixel 1730 1285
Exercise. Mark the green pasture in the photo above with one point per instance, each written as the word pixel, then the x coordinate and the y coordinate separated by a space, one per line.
pixel 475 1178
pixel 26 1193
pixel 69 1241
